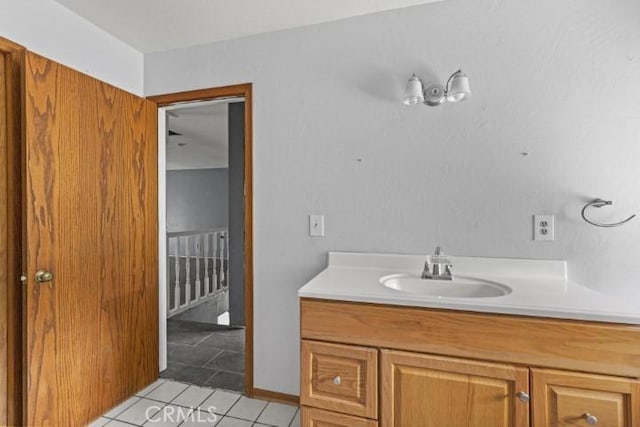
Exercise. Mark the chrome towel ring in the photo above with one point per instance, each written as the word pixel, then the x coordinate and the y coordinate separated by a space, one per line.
pixel 598 203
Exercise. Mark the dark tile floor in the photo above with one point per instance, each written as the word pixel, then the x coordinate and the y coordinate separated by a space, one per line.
pixel 205 354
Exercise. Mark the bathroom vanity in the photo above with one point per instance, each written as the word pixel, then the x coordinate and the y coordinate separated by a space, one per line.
pixel 546 352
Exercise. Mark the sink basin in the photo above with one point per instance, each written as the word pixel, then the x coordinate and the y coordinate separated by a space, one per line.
pixel 459 287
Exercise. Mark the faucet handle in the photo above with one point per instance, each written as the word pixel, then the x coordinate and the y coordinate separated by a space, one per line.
pixel 426 272
pixel 448 270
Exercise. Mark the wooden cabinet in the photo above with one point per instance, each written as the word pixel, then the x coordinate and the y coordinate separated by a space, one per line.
pixel 563 398
pixel 312 417
pixel 443 368
pixel 429 391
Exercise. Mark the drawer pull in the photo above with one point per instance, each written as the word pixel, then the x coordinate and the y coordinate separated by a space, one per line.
pixel 337 380
pixel 591 420
pixel 524 397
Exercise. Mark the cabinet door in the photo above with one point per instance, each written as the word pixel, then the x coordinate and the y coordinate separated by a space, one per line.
pixel 421 390
pixel 312 417
pixel 572 399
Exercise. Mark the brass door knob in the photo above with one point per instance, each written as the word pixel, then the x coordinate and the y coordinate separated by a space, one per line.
pixel 44 276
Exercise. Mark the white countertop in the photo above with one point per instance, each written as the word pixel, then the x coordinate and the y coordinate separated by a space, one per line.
pixel 539 287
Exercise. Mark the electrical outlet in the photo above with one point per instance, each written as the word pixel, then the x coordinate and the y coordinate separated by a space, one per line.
pixel 316 225
pixel 543 227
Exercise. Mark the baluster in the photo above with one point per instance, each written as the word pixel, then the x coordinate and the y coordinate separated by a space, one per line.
pixel 214 273
pixel 169 287
pixel 223 255
pixel 176 287
pixel 206 264
pixel 216 267
pixel 198 248
pixel 187 270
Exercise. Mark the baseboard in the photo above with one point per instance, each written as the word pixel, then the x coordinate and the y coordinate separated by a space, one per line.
pixel 276 396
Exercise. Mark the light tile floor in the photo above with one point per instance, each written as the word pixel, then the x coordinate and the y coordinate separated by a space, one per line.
pixel 168 403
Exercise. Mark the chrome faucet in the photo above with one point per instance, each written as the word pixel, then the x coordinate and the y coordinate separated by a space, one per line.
pixel 437 267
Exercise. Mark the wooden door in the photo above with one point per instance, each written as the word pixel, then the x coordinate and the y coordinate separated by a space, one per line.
pixel 572 399
pixel 420 390
pixel 91 220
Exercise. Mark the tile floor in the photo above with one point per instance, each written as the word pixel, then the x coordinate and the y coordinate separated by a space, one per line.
pixel 205 354
pixel 168 403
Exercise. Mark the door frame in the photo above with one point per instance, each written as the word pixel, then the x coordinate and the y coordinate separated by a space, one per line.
pixel 244 90
pixel 11 237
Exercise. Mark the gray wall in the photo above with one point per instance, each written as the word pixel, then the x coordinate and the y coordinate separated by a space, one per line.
pixel 197 199
pixel 236 213
pixel 556 79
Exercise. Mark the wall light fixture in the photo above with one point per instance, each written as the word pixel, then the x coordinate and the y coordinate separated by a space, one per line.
pixel 456 90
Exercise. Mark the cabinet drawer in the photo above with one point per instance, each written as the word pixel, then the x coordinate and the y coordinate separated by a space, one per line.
pixel 340 378
pixel 572 399
pixel 312 417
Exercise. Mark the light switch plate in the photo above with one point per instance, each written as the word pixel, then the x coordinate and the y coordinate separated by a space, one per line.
pixel 543 227
pixel 316 225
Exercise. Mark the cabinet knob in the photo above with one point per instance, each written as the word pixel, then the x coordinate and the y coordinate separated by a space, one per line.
pixel 524 397
pixel 337 380
pixel 591 420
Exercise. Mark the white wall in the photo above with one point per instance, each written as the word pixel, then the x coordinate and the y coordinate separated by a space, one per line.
pixel 558 80
pixel 49 29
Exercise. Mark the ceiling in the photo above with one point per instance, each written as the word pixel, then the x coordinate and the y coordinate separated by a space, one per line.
pixel 155 25
pixel 204 139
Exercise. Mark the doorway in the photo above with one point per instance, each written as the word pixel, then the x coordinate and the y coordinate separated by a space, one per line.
pixel 206 237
